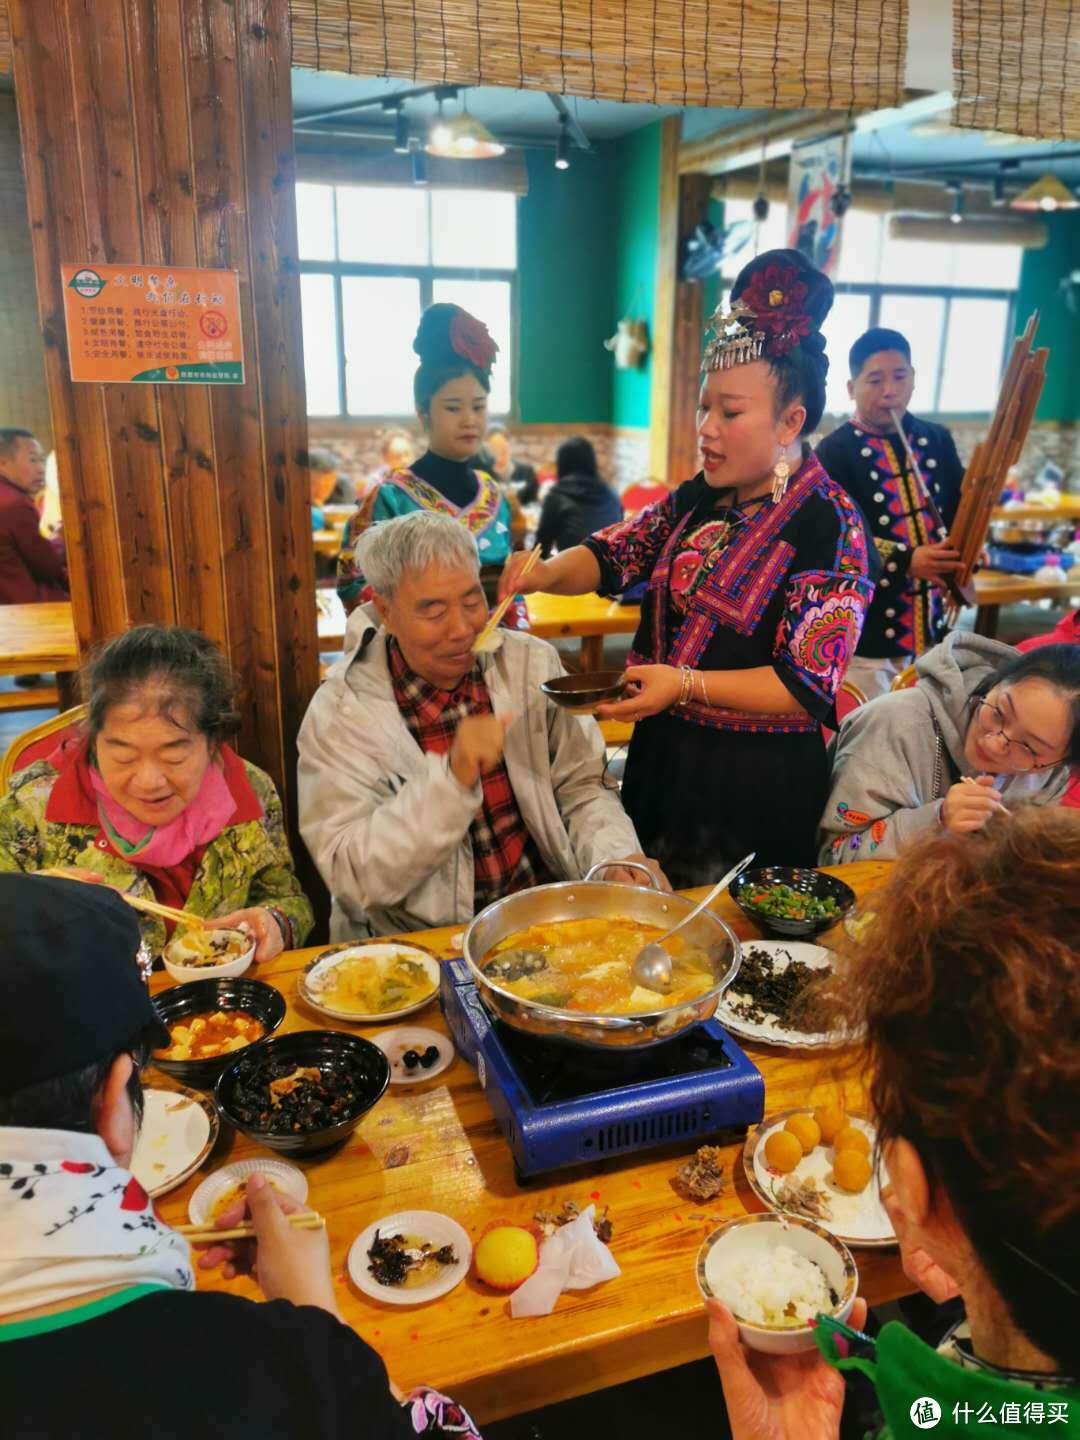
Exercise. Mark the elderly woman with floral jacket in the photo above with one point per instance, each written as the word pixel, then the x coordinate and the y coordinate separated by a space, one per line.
pixel 148 797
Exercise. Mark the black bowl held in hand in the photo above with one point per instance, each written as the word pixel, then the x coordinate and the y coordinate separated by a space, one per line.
pixel 788 901
pixel 183 1003
pixel 581 694
pixel 303 1092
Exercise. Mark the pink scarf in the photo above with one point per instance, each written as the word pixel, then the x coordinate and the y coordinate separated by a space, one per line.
pixel 197 824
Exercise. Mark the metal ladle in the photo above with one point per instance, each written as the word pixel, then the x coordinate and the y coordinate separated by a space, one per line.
pixel 652 965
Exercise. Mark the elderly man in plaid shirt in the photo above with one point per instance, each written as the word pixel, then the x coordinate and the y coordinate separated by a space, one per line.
pixel 434 781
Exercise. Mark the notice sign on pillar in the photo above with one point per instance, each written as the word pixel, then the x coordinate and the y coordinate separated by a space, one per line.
pixel 155 326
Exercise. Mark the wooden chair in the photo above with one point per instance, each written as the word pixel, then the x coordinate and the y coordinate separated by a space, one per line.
pixel 38 742
pixel 906 679
pixel 616 732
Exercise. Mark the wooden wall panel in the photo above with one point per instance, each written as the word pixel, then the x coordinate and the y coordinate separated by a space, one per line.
pixel 686 340
pixel 158 132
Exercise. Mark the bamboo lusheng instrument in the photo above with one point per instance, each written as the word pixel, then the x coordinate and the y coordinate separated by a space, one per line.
pixel 988 468
pixel 957 596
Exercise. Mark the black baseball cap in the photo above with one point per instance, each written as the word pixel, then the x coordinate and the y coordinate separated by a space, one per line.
pixel 70 989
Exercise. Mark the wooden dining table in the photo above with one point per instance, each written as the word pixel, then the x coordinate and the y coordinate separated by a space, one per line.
pixel 36 640
pixel 994 588
pixel 1065 508
pixel 587 617
pixel 436 1146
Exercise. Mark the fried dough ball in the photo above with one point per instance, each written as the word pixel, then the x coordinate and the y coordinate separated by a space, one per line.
pixel 831 1119
pixel 783 1151
pixel 806 1130
pixel 852 1138
pixel 851 1171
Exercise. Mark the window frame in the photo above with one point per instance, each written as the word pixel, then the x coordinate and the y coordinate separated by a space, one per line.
pixel 426 275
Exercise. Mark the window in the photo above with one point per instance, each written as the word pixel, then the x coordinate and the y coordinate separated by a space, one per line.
pixel 955 303
pixel 371 259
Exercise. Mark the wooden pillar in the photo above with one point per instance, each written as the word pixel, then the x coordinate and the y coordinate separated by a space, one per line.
pixel 678 319
pixel 157 133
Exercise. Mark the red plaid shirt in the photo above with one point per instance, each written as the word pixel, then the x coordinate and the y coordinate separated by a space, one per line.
pixel 505 856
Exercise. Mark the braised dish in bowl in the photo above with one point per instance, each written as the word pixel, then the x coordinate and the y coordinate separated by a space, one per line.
pixel 303 1092
pixel 210 1021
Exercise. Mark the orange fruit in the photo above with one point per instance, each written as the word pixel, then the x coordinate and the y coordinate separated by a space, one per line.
pixel 852 1138
pixel 831 1120
pixel 806 1130
pixel 506 1256
pixel 783 1151
pixel 851 1171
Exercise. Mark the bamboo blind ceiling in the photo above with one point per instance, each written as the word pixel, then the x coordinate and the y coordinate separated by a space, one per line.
pixel 787 54
pixel 1017 66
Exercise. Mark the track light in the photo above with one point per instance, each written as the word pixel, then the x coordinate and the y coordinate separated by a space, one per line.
pixel 401 132
pixel 840 201
pixel 761 207
pixel 997 190
pixel 562 146
pixel 419 167
pixel 957 191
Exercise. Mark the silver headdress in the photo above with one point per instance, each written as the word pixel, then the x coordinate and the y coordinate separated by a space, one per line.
pixel 733 341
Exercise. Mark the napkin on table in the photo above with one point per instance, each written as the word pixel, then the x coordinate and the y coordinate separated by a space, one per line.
pixel 571 1259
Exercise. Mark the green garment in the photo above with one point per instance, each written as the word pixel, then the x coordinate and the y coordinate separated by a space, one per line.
pixel 907 1373
pixel 247 865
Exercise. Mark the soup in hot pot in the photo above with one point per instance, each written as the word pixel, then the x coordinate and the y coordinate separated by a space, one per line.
pixel 585 965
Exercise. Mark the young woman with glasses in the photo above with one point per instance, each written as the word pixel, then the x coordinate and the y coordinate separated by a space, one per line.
pixel 984 730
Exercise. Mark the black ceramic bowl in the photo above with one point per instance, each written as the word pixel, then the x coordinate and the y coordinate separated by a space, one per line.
pixel 582 693
pixel 807 882
pixel 199 997
pixel 345 1061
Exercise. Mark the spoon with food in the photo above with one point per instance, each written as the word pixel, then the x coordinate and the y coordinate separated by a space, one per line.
pixel 652 964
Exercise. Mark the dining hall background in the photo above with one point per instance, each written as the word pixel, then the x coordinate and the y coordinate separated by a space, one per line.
pixel 267 137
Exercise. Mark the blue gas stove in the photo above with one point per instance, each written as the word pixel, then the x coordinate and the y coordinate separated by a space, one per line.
pixel 559 1104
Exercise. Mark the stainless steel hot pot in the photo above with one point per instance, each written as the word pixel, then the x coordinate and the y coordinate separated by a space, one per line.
pixel 587 899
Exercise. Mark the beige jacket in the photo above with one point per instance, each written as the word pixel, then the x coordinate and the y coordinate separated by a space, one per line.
pixel 388 825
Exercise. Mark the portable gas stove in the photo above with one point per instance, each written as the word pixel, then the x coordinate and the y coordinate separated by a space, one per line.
pixel 558 1104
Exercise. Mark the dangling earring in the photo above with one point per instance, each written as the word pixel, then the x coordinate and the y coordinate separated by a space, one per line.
pixel 781 471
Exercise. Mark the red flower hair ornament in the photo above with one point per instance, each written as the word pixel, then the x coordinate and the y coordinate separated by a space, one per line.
pixel 471 339
pixel 769 318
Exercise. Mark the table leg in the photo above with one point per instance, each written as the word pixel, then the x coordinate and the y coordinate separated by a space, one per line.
pixel 67 688
pixel 986 620
pixel 592 653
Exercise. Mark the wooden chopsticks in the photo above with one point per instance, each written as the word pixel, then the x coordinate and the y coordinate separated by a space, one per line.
pixel 207 1235
pixel 183 918
pixel 500 610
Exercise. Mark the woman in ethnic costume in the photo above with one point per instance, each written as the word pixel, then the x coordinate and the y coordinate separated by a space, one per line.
pixel 758 586
pixel 148 796
pixel 450 389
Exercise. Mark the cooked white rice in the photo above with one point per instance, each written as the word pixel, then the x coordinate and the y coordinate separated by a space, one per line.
pixel 782 1288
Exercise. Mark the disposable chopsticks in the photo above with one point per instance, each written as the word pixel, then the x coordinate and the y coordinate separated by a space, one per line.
pixel 500 610
pixel 137 902
pixel 207 1235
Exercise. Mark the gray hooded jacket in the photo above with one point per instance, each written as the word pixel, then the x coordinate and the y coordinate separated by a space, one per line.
pixel 890 773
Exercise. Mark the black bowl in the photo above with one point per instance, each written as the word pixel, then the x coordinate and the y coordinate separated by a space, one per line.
pixel 199 997
pixel 582 693
pixel 336 1054
pixel 807 882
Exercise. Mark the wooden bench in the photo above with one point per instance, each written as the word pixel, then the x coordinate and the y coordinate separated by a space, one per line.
pixel 42 697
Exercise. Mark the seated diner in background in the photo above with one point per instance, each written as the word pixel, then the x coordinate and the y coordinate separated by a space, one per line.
pixel 148 796
pixel 517 475
pixel 97 1295
pixel 450 389
pixel 396 452
pixel 983 730
pixel 966 977
pixel 432 780
pixel 868 456
pixel 579 503
pixel 31 567
pixel 759 578
pixel 328 485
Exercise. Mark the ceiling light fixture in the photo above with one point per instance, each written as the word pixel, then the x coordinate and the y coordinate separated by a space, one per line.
pixel 419 167
pixel 1047 194
pixel 401 132
pixel 956 189
pixel 562 145
pixel 462 138
pixel 997 190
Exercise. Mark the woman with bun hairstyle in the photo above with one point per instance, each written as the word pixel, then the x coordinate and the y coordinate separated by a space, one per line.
pixel 450 390
pixel 758 584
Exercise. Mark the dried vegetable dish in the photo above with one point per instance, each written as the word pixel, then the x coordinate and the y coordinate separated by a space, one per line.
pixel 784 903
pixel 283 1098
pixel 763 990
pixel 407 1260
pixel 585 965
pixel 202 1037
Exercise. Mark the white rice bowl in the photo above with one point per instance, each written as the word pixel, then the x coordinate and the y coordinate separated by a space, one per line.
pixel 775 1274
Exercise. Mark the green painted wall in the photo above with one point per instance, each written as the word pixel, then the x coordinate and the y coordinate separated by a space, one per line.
pixel 565 234
pixel 1059 327
pixel 637 207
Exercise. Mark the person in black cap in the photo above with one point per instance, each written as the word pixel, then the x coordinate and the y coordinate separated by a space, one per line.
pixel 759 581
pixel 96 1305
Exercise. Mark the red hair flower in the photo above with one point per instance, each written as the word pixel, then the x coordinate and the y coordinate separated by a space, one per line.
pixel 776 297
pixel 470 339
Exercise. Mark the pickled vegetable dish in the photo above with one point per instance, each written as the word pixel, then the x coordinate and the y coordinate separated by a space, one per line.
pixel 371 984
pixel 787 904
pixel 585 965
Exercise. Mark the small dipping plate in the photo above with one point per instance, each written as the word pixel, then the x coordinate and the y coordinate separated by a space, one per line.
pixel 286 1178
pixel 427 1225
pixel 394 1043
pixel 581 694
